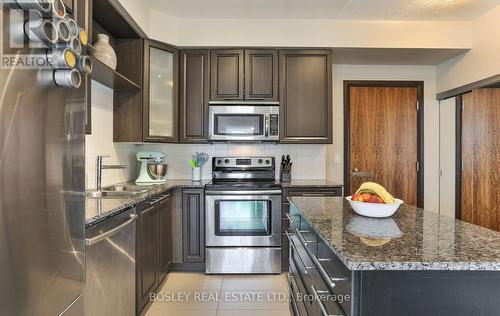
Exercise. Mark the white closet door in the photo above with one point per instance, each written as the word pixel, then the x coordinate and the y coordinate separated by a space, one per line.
pixel 447 123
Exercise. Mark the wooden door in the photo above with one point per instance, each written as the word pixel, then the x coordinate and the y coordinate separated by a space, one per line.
pixel 164 236
pixel 261 75
pixel 227 75
pixel 193 98
pixel 383 142
pixel 480 197
pixel 193 226
pixel 160 93
pixel 147 254
pixel 305 96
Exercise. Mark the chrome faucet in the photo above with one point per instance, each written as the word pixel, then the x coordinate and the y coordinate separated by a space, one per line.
pixel 98 170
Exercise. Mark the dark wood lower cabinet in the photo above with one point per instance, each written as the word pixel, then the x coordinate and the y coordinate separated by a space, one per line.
pixel 164 236
pixel 193 226
pixel 154 247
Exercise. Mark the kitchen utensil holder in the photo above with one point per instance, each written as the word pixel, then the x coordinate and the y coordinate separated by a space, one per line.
pixel 196 174
pixel 286 177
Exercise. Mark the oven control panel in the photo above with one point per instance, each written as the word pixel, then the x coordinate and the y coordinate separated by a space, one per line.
pixel 243 162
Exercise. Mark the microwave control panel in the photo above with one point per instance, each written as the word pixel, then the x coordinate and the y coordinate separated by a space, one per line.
pixel 273 125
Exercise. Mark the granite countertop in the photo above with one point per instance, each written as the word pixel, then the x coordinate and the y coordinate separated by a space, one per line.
pixel 412 239
pixel 97 209
pixel 310 184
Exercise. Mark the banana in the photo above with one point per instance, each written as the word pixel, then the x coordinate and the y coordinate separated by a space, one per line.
pixel 375 188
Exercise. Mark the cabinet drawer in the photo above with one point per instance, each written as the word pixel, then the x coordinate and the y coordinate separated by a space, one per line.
pixel 316 192
pixel 327 303
pixel 300 264
pixel 334 273
pixel 297 307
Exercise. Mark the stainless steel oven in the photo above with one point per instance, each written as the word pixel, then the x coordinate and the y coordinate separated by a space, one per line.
pixel 243 216
pixel 244 122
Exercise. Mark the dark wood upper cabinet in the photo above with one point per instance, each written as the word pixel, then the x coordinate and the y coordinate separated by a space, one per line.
pixel 227 74
pixel 160 100
pixel 305 96
pixel 194 95
pixel 261 75
pixel 193 226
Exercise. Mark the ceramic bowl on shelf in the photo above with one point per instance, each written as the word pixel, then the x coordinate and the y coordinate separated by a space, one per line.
pixel 374 209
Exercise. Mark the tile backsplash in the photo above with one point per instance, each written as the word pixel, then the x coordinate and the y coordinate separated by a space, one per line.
pixel 309 161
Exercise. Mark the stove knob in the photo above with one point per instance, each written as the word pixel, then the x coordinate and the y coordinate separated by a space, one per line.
pixel 219 162
pixel 259 161
pixel 268 161
pixel 226 161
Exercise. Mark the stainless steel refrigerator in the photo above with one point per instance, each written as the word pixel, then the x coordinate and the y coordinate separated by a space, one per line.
pixel 42 179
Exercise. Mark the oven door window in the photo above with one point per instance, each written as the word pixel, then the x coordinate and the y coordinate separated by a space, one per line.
pixel 238 124
pixel 243 218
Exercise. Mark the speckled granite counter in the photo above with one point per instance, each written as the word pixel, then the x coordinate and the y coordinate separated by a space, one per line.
pixel 413 239
pixel 97 209
pixel 310 184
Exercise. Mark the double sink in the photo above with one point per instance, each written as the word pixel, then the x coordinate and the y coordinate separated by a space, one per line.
pixel 118 191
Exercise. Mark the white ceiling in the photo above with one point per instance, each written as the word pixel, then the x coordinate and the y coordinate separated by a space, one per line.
pixel 327 9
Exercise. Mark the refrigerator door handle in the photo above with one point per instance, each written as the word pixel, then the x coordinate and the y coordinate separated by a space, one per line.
pixel 111 232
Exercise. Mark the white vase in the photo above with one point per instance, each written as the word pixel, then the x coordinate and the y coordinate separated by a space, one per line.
pixel 104 52
pixel 197 174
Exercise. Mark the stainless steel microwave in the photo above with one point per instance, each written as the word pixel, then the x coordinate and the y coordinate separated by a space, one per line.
pixel 244 122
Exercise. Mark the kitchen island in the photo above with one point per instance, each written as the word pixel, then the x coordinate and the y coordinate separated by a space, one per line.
pixel 414 263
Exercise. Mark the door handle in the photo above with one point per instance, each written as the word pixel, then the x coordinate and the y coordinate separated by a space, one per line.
pixel 111 232
pixel 362 174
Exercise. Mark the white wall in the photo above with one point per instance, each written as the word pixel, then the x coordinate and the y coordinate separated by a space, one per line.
pixel 139 11
pixel 335 152
pixel 481 62
pixel 310 32
pixel 101 140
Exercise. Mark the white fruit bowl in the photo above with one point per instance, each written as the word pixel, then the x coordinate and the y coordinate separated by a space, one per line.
pixel 374 209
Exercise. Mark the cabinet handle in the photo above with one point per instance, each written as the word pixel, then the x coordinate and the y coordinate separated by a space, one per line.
pixel 289 218
pixel 320 303
pixel 300 258
pixel 288 236
pixel 313 194
pixel 331 281
pixel 302 239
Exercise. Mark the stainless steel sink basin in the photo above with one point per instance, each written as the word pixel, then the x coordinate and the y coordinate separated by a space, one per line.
pixel 112 194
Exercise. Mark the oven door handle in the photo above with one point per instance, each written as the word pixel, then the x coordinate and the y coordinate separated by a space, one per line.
pixel 252 192
pixel 266 125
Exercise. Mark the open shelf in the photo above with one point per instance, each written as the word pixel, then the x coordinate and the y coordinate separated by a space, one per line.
pixel 111 78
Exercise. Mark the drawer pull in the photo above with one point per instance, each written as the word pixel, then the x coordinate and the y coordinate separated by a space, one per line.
pixel 289 218
pixel 331 281
pixel 302 239
pixel 300 258
pixel 288 235
pixel 320 303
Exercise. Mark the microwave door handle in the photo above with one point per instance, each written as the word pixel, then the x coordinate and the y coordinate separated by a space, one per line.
pixel 266 125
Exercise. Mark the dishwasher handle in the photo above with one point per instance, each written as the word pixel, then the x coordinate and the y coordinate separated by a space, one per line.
pixel 111 232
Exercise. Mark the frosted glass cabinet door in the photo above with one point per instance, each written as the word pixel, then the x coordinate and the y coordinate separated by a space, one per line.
pixel 161 95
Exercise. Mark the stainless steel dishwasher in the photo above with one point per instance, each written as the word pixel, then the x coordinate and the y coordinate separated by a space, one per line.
pixel 110 266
